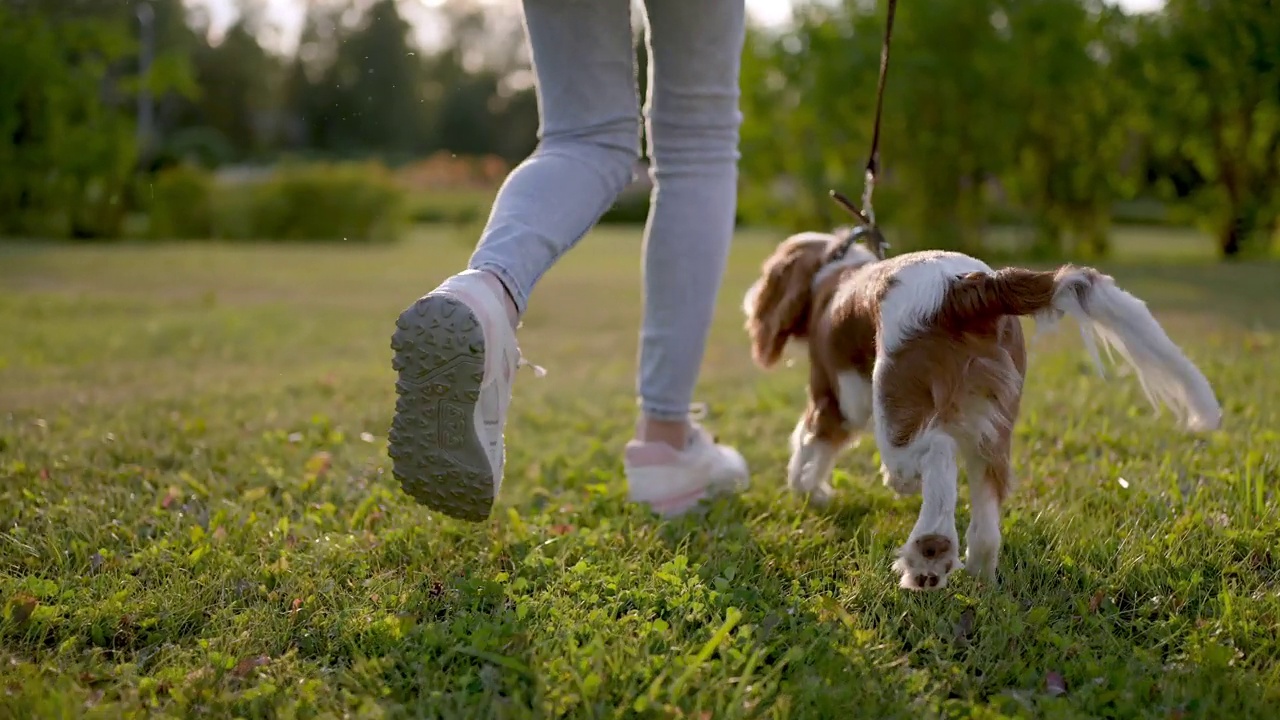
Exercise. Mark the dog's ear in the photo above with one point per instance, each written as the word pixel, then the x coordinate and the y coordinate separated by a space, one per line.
pixel 777 305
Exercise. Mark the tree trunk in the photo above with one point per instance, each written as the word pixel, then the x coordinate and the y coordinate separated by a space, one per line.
pixel 1230 240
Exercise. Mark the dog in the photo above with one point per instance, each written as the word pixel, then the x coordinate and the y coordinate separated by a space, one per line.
pixel 928 349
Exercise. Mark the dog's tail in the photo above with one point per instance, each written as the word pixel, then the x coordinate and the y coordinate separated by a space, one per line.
pixel 1102 309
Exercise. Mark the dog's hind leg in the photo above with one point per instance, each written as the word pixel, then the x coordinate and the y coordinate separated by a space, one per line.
pixel 989 479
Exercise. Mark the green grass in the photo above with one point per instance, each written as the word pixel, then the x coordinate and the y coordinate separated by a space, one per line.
pixel 197 517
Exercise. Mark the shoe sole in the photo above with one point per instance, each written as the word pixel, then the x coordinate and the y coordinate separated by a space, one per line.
pixel 435 451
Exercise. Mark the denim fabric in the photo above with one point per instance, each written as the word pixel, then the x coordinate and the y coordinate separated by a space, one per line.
pixel 589 140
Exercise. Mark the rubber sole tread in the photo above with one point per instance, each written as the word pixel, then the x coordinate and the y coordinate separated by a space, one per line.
pixel 436 455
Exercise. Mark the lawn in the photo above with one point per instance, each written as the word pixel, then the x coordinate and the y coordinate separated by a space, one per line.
pixel 198 515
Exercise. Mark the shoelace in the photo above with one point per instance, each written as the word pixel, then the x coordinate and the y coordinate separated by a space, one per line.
pixel 538 370
pixel 698 411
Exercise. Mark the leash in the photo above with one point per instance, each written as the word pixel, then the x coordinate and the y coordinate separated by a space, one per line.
pixel 867 215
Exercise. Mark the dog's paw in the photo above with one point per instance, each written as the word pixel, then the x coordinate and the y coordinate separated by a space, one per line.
pixel 819 495
pixel 927 562
pixel 899 484
pixel 811 482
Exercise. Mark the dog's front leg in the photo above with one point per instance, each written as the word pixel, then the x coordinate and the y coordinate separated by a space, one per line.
pixel 801 451
pixel 932 551
pixel 815 445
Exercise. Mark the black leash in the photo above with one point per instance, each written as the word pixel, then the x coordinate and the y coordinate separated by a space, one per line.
pixel 867 215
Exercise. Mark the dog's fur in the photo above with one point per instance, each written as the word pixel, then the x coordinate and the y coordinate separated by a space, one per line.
pixel 927 348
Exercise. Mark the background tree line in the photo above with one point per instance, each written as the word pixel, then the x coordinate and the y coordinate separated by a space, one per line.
pixel 1059 116
pixel 1047 112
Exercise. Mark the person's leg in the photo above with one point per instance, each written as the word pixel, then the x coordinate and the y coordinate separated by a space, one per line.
pixel 589 140
pixel 692 118
pixel 455 348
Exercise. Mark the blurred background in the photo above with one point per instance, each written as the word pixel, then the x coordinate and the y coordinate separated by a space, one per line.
pixel 1036 127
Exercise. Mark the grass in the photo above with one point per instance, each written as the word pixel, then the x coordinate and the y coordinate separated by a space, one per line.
pixel 196 515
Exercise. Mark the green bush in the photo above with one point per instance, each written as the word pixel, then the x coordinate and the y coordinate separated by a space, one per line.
pixel 329 202
pixel 468 209
pixel 316 202
pixel 181 204
pixel 454 207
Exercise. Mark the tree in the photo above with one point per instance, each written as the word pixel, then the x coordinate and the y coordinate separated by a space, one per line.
pixel 809 97
pixel 1072 147
pixel 479 98
pixel 239 82
pixel 807 109
pixel 67 140
pixel 1212 98
pixel 349 102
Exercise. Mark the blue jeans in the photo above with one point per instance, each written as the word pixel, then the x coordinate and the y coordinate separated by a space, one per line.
pixel 589 141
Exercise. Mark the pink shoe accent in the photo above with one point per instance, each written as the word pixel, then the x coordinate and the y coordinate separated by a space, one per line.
pixel 672 481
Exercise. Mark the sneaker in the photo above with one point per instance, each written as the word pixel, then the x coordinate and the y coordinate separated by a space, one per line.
pixel 673 482
pixel 456 356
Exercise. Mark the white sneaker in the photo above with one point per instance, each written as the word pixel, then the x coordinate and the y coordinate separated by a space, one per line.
pixel 456 355
pixel 673 482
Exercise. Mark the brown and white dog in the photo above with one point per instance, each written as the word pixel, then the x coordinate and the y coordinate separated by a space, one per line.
pixel 927 348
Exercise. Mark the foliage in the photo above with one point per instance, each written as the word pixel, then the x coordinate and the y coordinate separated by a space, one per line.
pixel 67 131
pixel 1071 153
pixel 181 204
pixel 1056 116
pixel 1048 111
pixel 68 149
pixel 1212 71
pixel 361 88
pixel 358 202
pixel 347 201
pixel 199 516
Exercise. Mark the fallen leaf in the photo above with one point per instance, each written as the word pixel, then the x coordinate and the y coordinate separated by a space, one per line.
pixel 171 497
pixel 965 626
pixel 319 464
pixel 247 665
pixel 21 607
pixel 1055 684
